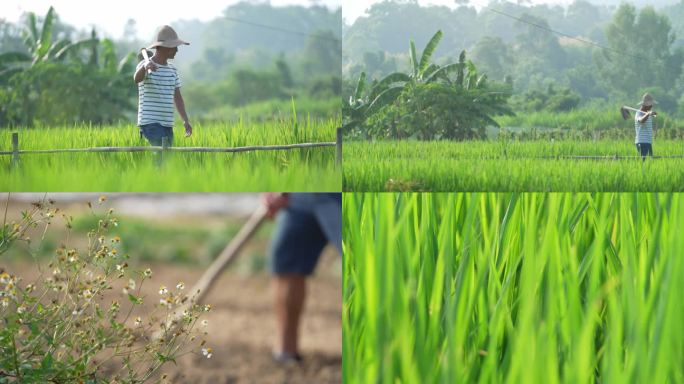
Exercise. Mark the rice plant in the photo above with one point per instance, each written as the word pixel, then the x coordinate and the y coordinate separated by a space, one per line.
pixel 510 166
pixel 515 288
pixel 601 119
pixel 140 171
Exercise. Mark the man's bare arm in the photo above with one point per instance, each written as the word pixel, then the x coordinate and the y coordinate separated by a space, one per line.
pixel 180 106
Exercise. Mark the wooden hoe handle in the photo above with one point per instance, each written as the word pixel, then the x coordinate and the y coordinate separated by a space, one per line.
pixel 146 57
pixel 228 255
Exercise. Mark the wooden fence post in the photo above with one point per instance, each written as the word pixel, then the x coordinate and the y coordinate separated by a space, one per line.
pixel 15 148
pixel 338 146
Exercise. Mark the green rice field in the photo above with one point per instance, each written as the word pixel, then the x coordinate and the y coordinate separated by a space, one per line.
pixel 289 170
pixel 511 166
pixel 513 288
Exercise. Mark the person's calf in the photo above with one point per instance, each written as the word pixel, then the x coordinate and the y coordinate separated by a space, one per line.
pixel 290 291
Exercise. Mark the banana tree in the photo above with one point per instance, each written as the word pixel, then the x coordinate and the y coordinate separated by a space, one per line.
pixel 41 46
pixel 362 105
pixel 44 61
pixel 385 92
pixel 451 101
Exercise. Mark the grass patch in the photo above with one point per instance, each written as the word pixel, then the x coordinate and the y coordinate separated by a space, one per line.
pixel 509 166
pixel 521 288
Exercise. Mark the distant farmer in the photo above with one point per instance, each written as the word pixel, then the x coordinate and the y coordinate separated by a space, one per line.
pixel 306 222
pixel 644 126
pixel 159 90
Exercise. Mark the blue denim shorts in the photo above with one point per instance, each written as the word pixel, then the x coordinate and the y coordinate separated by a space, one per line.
pixel 154 132
pixel 645 149
pixel 310 221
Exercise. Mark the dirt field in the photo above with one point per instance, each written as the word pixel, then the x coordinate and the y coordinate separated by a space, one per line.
pixel 241 330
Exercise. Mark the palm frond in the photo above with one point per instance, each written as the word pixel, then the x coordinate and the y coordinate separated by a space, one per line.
pixel 386 97
pixel 428 51
pixel 442 72
pixel 46 34
pixel 358 92
pixel 387 81
pixel 72 47
pixel 414 59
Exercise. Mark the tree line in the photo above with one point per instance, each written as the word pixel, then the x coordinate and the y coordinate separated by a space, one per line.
pixel 632 50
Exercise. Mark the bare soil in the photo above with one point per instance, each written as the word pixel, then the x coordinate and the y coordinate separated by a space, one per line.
pixel 242 329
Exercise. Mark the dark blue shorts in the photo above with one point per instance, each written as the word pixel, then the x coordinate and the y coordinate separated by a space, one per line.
pixel 645 149
pixel 154 132
pixel 310 221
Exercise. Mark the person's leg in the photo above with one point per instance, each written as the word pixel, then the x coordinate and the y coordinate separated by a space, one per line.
pixel 641 148
pixel 290 292
pixel 649 149
pixel 295 249
pixel 153 133
pixel 168 133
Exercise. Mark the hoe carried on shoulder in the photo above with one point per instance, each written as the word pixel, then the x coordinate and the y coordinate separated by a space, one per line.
pixel 227 256
pixel 146 56
pixel 624 111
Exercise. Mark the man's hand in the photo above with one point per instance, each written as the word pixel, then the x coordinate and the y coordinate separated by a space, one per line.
pixel 188 128
pixel 274 201
pixel 150 66
pixel 142 72
pixel 646 115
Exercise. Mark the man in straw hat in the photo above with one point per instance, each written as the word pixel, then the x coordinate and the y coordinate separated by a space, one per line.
pixel 644 126
pixel 159 89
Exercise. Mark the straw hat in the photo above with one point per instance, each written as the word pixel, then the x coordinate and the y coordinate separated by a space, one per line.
pixel 647 100
pixel 167 37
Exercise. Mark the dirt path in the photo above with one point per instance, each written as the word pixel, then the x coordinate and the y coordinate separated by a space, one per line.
pixel 241 329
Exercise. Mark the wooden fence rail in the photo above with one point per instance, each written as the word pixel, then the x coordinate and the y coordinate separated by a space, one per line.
pixel 570 157
pixel 607 157
pixel 15 152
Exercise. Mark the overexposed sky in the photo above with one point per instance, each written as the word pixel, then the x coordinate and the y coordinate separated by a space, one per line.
pixel 110 16
pixel 351 10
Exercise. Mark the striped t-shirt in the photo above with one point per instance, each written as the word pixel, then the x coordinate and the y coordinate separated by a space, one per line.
pixel 155 95
pixel 644 132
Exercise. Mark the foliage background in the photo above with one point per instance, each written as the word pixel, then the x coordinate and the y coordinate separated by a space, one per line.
pixel 51 73
pixel 627 50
